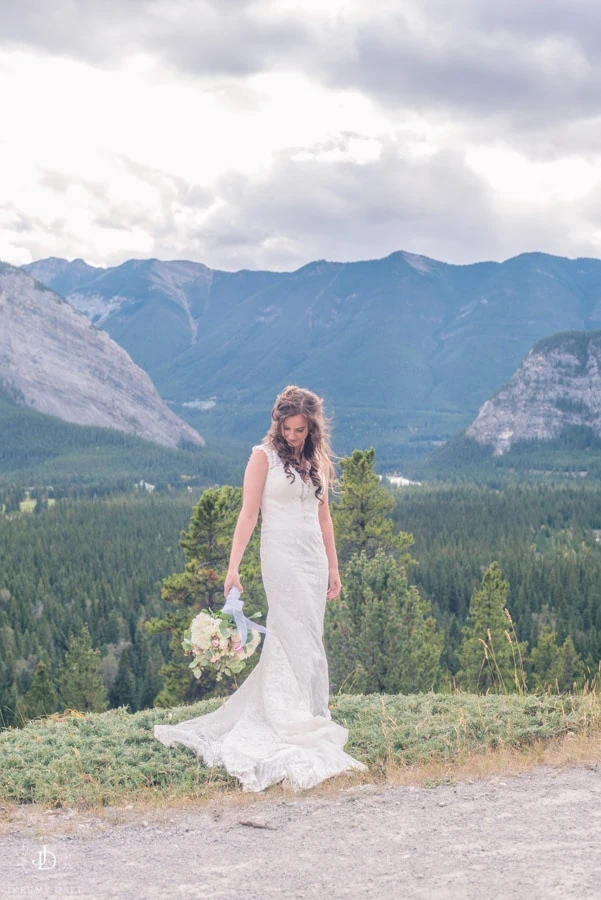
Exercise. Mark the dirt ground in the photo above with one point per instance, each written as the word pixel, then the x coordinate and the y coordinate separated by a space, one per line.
pixel 534 835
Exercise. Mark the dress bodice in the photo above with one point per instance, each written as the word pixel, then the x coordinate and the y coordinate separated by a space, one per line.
pixel 286 503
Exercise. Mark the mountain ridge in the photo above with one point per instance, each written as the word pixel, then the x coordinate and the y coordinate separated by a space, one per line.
pixel 54 360
pixel 557 385
pixel 404 349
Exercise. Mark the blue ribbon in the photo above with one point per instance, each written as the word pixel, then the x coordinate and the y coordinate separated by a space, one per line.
pixel 233 605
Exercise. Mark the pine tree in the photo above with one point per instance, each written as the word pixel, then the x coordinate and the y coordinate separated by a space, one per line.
pixel 362 517
pixel 489 659
pixel 41 503
pixel 544 661
pixel 208 537
pixel 380 635
pixel 123 692
pixel 80 679
pixel 571 670
pixel 146 662
pixel 8 691
pixel 206 545
pixel 40 700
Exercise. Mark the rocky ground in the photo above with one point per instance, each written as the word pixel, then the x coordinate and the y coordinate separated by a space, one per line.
pixel 535 835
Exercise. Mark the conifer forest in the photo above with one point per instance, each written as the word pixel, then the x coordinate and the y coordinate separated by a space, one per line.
pixel 445 587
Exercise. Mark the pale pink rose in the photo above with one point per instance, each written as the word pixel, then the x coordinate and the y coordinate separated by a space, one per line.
pixel 215 642
pixel 213 659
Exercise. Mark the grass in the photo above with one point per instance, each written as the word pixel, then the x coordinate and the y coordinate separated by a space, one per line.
pixel 97 760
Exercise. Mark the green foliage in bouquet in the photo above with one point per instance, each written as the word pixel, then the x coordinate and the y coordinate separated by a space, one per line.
pixel 214 640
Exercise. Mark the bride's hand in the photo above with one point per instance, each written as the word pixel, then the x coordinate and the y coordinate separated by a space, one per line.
pixel 232 579
pixel 334 585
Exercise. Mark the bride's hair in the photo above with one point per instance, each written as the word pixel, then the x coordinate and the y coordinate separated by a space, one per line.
pixel 317 450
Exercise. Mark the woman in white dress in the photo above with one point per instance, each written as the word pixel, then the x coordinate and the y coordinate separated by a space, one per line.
pixel 277 726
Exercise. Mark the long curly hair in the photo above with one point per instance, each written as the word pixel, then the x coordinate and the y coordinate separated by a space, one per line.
pixel 316 455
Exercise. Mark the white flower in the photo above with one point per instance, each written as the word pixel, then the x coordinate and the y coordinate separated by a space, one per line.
pixel 203 628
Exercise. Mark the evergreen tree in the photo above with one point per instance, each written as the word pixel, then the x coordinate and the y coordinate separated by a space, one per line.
pixel 80 679
pixel 123 692
pixel 571 670
pixel 362 516
pixel 207 539
pixel 40 700
pixel 146 662
pixel 555 668
pixel 544 661
pixel 489 659
pixel 41 503
pixel 380 635
pixel 8 691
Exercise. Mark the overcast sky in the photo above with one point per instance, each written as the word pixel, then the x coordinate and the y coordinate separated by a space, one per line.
pixel 267 134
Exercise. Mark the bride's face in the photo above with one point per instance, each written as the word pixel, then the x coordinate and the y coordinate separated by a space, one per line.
pixel 294 430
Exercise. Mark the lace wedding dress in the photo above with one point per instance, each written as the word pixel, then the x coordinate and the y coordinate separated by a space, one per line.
pixel 277 726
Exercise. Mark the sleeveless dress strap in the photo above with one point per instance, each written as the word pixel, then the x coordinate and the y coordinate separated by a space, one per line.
pixel 270 453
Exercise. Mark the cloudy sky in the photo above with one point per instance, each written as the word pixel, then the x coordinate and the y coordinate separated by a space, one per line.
pixel 267 134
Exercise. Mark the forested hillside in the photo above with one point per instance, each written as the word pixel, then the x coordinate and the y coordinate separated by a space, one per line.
pixel 103 562
pixel 573 455
pixel 547 540
pixel 40 450
pixel 98 562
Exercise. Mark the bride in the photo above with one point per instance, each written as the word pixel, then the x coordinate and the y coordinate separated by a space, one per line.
pixel 277 726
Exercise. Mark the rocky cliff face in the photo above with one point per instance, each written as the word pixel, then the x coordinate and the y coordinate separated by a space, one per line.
pixel 58 363
pixel 557 384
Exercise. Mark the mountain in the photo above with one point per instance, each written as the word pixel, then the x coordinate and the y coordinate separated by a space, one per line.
pixel 544 424
pixel 53 360
pixel 405 349
pixel 84 460
pixel 558 385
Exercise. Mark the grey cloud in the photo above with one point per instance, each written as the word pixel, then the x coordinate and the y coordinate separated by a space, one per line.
pixel 172 187
pixel 579 18
pixel 17 221
pixel 233 43
pixel 174 195
pixel 84 29
pixel 206 37
pixel 472 67
pixel 527 70
pixel 524 74
pixel 310 209
pixel 307 209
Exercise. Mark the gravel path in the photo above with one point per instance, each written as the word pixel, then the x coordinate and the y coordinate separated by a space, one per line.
pixel 535 835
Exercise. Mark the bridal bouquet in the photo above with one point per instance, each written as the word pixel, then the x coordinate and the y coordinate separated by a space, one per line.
pixel 216 643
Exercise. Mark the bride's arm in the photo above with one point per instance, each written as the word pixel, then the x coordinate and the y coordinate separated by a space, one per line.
pixel 327 530
pixel 254 481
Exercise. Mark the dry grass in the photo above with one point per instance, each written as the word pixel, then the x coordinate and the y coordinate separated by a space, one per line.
pixel 216 797
pixel 111 761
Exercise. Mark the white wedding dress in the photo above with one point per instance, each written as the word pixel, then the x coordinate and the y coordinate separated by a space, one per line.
pixel 277 726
